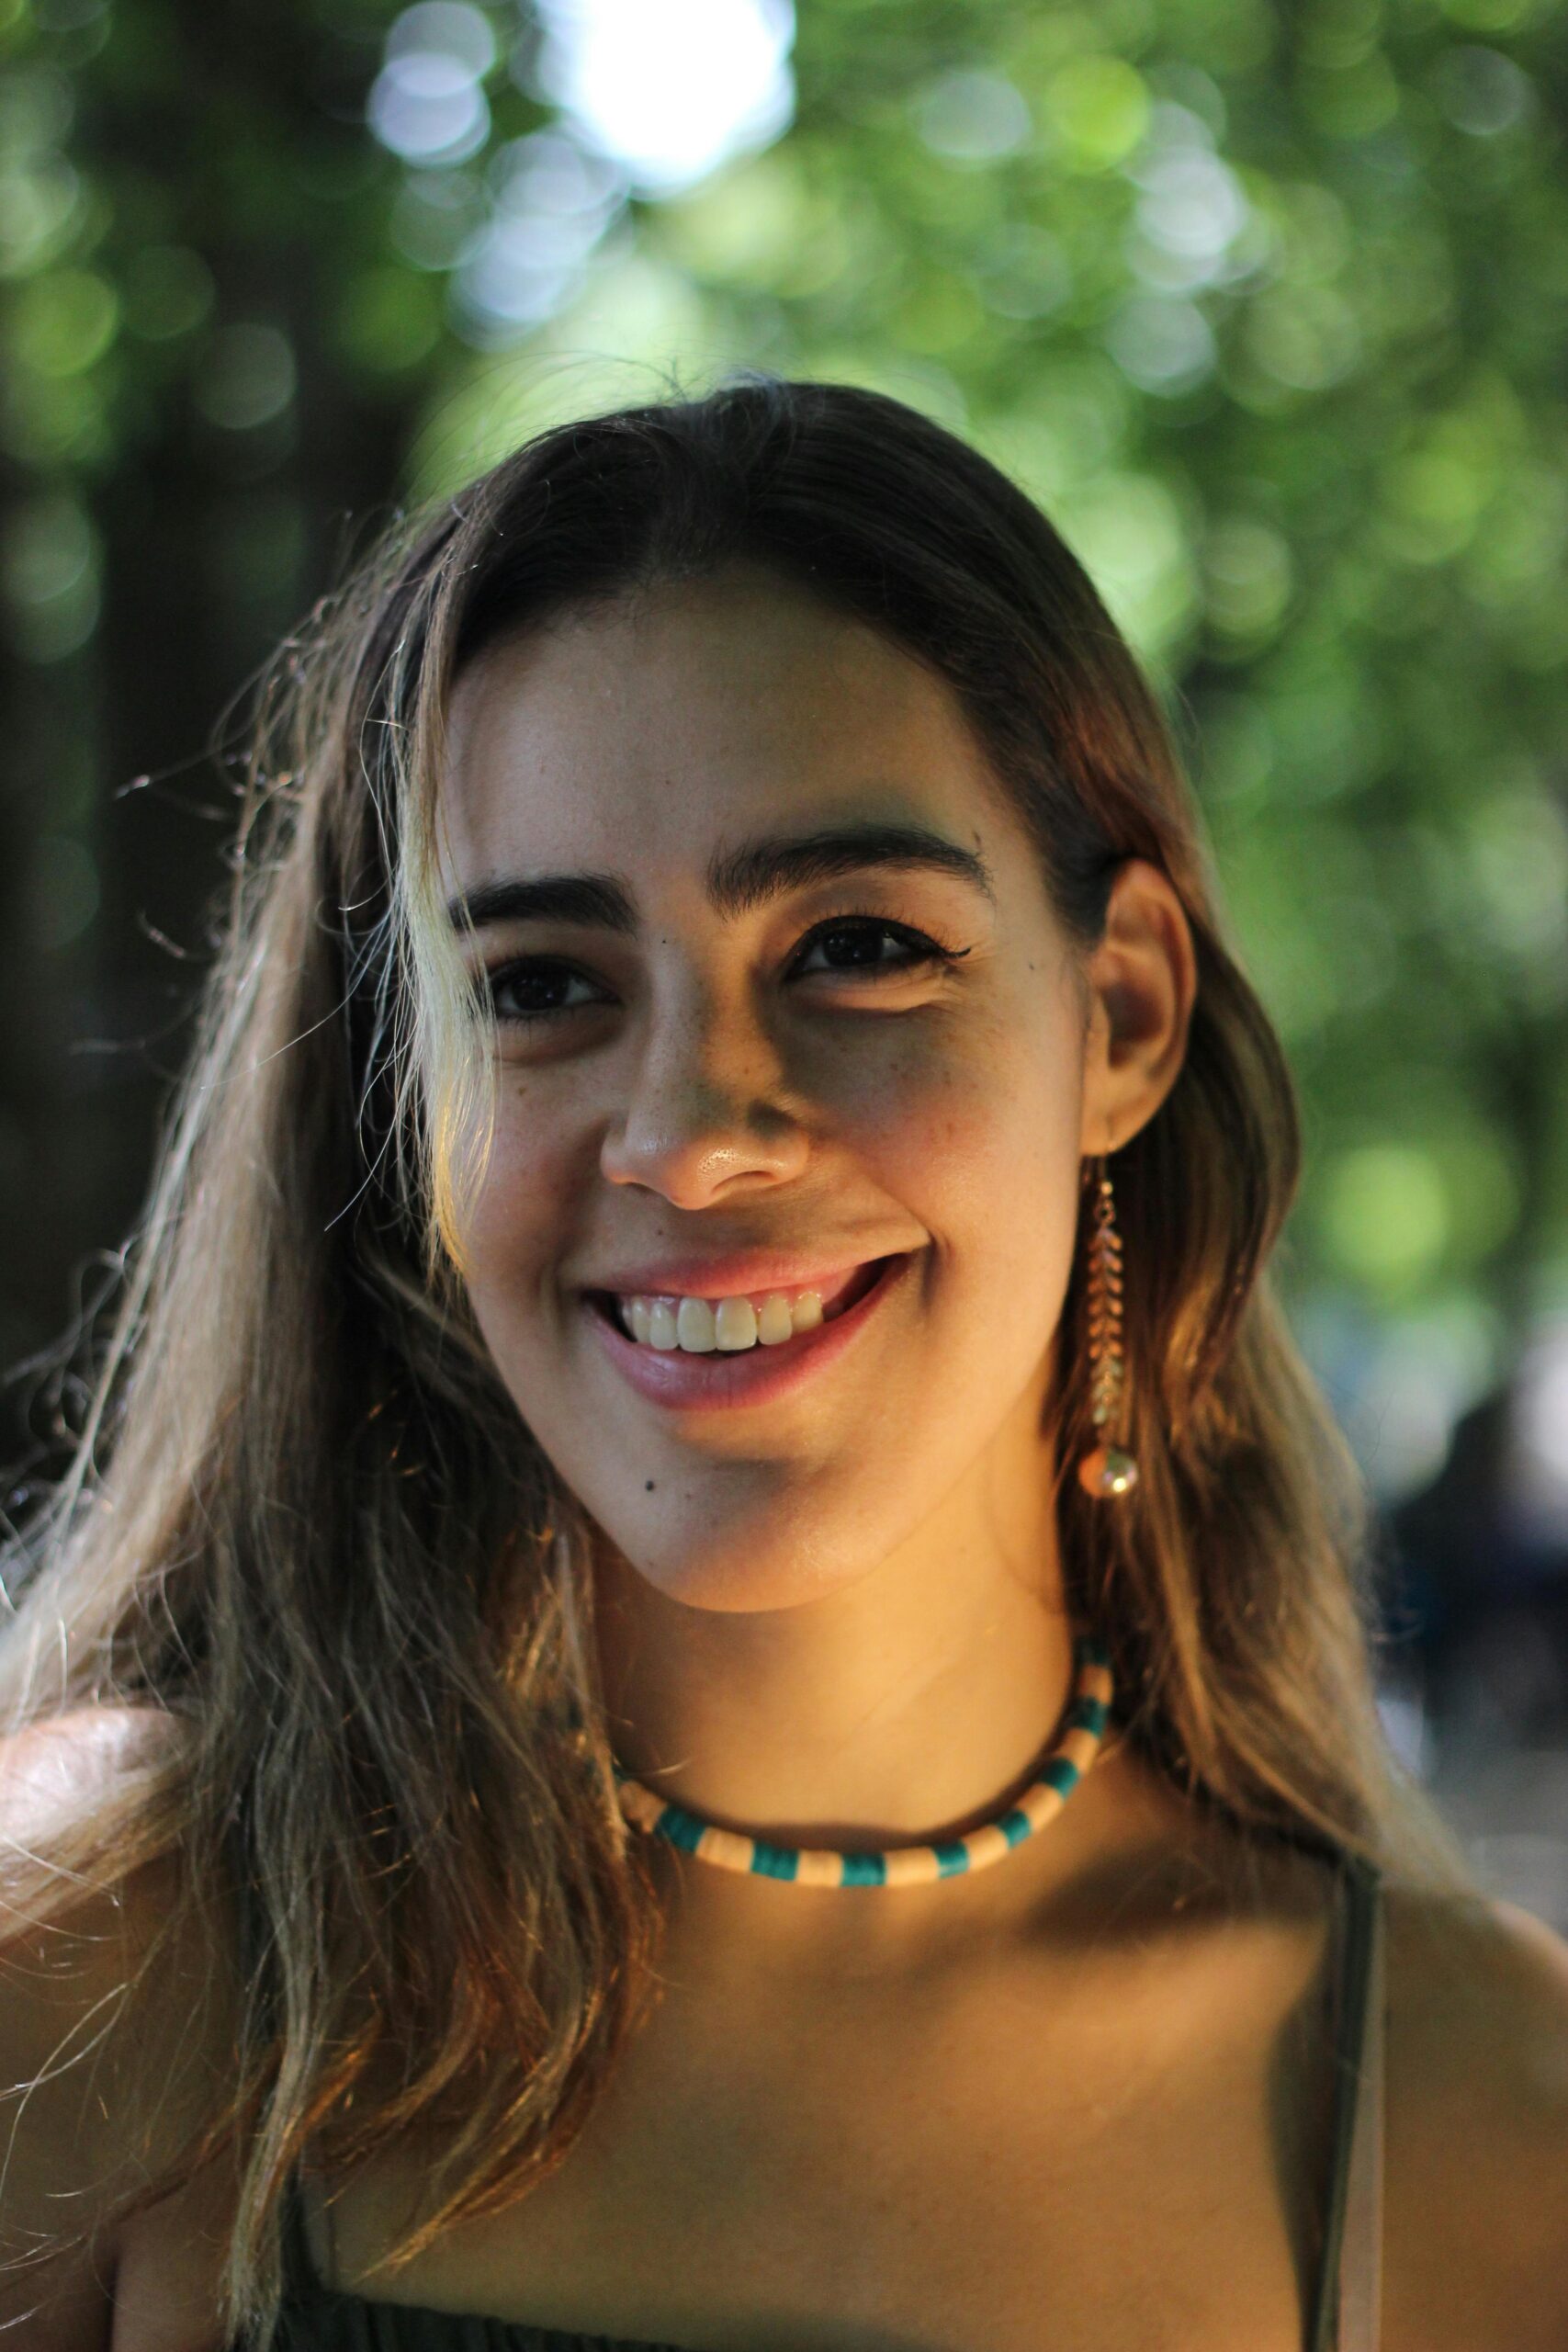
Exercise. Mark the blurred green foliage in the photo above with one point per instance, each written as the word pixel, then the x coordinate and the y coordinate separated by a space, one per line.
pixel 1265 305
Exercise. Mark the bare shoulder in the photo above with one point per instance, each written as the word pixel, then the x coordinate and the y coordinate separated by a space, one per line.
pixel 1478 2008
pixel 113 2016
pixel 73 1925
pixel 1477 2152
pixel 65 1768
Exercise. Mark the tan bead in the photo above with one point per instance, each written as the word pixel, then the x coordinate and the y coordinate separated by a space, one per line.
pixel 912 1866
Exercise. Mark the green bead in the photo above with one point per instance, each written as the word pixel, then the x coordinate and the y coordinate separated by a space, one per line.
pixel 1121 1471
pixel 1108 1471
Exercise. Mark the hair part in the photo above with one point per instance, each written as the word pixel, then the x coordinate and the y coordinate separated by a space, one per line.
pixel 304 1523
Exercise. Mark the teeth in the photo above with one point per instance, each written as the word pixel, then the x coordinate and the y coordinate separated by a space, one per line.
pixel 702 1325
pixel 735 1323
pixel 775 1322
pixel 694 1327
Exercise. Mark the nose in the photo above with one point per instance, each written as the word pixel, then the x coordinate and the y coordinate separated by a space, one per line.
pixel 704 1115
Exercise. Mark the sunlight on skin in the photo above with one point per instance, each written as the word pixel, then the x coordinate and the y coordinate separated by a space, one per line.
pixel 839 1613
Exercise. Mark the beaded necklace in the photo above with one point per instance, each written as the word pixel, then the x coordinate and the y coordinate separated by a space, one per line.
pixel 1063 1767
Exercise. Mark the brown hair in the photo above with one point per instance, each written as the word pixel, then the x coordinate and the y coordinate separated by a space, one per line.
pixel 304 1522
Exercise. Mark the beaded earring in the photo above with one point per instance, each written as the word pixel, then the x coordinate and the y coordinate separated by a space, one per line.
pixel 1108 1469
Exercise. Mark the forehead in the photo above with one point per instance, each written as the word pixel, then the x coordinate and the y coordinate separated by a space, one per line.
pixel 651 729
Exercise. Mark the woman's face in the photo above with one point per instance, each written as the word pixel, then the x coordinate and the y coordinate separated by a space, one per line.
pixel 736 1054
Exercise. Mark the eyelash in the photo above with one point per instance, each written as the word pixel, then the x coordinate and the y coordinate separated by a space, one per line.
pixel 925 951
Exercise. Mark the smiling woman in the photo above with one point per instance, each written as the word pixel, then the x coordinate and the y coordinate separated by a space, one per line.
pixel 706 1302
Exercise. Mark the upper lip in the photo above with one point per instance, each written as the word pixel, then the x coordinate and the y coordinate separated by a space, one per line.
pixel 731 1277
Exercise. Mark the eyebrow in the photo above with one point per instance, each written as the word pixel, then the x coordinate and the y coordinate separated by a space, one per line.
pixel 736 880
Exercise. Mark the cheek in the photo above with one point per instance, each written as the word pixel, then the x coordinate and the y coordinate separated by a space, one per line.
pixel 984 1123
pixel 992 1168
pixel 522 1221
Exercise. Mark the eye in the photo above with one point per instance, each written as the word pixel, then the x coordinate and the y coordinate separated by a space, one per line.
pixel 864 934
pixel 535 980
pixel 532 988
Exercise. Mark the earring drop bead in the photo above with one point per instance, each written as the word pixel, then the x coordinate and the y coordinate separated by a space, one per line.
pixel 1108 1471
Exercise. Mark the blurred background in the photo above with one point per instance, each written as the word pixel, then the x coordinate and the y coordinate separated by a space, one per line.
pixel 1266 306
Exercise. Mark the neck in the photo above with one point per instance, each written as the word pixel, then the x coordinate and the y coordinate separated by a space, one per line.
pixel 904 1707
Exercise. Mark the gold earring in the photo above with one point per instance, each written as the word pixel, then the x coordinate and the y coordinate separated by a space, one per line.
pixel 1108 1469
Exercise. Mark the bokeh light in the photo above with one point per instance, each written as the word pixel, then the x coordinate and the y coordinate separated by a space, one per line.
pixel 669 89
pixel 427 103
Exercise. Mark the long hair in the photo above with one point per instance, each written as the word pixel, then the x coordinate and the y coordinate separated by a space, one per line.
pixel 305 1526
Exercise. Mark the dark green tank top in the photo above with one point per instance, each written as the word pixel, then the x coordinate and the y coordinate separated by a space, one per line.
pixel 321 2319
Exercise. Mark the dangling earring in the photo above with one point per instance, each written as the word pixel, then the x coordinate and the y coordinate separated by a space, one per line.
pixel 1109 1470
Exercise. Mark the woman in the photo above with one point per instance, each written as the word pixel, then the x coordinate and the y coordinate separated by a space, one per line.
pixel 705 1678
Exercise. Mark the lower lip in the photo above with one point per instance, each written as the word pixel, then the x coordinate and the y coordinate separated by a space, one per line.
pixel 754 1376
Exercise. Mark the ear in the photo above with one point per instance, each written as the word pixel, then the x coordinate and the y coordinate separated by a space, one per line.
pixel 1141 982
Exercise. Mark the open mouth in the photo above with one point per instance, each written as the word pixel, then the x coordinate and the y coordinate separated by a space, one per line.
pixel 701 1380
pixel 607 1306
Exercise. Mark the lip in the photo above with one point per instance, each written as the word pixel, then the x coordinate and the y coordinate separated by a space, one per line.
pixel 743 1271
pixel 755 1375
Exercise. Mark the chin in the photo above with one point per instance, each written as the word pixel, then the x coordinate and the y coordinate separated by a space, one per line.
pixel 732 1577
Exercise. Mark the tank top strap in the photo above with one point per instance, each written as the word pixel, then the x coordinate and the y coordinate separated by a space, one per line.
pixel 1350 2290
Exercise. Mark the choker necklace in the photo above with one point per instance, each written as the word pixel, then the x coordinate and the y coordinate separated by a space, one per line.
pixel 1059 1775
